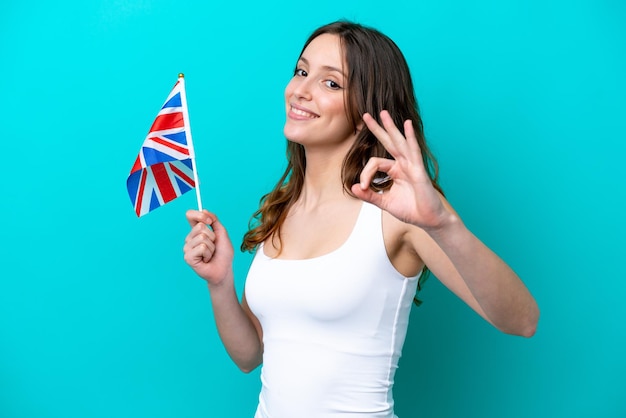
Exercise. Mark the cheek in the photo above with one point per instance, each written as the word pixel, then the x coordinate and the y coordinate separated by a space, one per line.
pixel 335 105
pixel 341 114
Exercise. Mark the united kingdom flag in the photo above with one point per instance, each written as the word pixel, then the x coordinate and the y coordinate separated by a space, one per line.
pixel 165 166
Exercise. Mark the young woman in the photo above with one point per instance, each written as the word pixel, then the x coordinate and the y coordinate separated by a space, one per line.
pixel 343 238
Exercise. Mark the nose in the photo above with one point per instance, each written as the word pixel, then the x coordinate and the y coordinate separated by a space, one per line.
pixel 302 88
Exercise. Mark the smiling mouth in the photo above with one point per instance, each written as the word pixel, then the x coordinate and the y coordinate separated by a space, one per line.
pixel 303 113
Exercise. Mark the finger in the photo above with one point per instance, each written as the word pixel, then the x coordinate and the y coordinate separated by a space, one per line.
pixel 197 242
pixel 367 195
pixel 374 165
pixel 195 216
pixel 392 130
pixel 203 243
pixel 205 251
pixel 380 133
pixel 204 232
pixel 411 139
pixel 396 137
pixel 200 229
pixel 200 253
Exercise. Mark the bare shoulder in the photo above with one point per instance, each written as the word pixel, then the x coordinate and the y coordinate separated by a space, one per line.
pixel 409 247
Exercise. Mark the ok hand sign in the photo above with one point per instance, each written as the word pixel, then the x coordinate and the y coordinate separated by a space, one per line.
pixel 412 197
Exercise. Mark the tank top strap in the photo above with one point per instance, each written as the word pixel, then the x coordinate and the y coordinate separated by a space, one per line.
pixel 369 227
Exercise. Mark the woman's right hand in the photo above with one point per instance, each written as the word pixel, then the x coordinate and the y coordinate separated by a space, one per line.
pixel 209 252
pixel 208 249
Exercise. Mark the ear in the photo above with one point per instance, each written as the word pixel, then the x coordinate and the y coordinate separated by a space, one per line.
pixel 360 125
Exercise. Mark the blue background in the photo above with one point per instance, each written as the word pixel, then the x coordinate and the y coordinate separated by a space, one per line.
pixel 523 103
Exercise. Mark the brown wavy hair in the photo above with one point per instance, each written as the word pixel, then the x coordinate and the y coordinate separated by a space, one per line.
pixel 378 78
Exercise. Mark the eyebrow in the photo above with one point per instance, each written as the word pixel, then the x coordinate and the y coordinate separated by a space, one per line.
pixel 325 67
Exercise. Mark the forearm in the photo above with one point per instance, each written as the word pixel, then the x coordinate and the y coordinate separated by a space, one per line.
pixel 235 327
pixel 502 296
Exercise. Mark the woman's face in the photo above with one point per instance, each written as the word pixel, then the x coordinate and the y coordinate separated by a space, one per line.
pixel 315 96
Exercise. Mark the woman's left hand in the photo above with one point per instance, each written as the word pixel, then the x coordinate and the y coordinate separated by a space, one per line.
pixel 412 197
pixel 454 255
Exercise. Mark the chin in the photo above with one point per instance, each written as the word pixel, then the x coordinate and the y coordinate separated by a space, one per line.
pixel 293 136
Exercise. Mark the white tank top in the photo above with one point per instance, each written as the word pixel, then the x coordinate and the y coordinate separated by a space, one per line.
pixel 333 327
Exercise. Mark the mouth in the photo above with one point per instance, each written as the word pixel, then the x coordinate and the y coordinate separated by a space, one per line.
pixel 302 113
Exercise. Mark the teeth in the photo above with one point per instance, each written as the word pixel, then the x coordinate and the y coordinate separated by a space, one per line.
pixel 303 113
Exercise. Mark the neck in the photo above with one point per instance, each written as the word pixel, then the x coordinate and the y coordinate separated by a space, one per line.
pixel 322 178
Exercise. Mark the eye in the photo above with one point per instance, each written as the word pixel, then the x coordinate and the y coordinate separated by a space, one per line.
pixel 300 72
pixel 332 85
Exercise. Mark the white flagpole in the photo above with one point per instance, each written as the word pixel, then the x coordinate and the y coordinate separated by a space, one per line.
pixel 192 153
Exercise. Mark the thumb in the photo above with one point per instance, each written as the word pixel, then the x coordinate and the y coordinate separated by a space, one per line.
pixel 219 230
pixel 367 194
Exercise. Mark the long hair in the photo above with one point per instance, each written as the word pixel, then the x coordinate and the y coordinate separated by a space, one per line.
pixel 378 78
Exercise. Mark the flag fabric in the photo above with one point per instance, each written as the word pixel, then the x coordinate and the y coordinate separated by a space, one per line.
pixel 165 166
